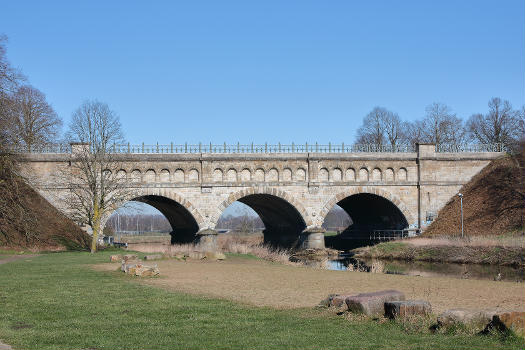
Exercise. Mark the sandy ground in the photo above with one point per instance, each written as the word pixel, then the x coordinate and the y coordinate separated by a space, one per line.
pixel 262 283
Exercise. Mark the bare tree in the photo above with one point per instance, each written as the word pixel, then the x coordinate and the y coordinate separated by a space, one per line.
pixel 441 126
pixel 96 189
pixel 500 125
pixel 34 123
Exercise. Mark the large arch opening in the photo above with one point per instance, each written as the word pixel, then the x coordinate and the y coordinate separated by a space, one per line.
pixel 282 223
pixel 182 225
pixel 368 213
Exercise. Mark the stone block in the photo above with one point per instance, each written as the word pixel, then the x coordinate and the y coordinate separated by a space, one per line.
pixel 372 304
pixel 145 271
pixel 153 257
pixel 115 258
pixel 403 308
pixel 466 317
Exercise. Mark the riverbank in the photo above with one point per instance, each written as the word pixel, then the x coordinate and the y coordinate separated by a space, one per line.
pixel 57 301
pixel 505 251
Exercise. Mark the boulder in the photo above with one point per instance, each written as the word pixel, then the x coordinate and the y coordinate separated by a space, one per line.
pixel 469 318
pixel 128 266
pixel 508 320
pixel 115 258
pixel 128 257
pixel 215 255
pixel 403 308
pixel 153 257
pixel 372 304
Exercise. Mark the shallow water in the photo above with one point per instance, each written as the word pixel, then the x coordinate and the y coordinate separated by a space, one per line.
pixel 428 269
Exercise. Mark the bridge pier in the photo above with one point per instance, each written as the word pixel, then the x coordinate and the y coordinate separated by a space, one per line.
pixel 206 240
pixel 312 238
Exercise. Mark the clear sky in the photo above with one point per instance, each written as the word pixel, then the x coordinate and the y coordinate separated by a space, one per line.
pixel 301 71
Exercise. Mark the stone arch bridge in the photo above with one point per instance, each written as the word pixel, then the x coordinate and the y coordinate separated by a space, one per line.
pixel 292 191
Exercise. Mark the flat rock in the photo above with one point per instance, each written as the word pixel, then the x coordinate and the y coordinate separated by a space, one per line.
pixel 215 255
pixel 466 317
pixel 115 258
pixel 128 257
pixel 372 304
pixel 403 308
pixel 153 257
pixel 146 271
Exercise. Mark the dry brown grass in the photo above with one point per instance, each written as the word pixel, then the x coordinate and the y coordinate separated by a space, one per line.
pixel 263 283
pixel 227 243
pixel 469 241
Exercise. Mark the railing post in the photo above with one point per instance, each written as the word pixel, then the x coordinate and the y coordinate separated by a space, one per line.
pixel 171 147
pixel 329 147
pixel 210 148
pixel 292 148
pixel 129 150
pixel 185 147
pixel 252 147
pixel 266 147
pixel 200 147
pixel 225 147
pixel 316 147
pixel 157 147
pixel 306 144
pixel 279 147
pixel 343 147
pixel 238 147
pixel 142 147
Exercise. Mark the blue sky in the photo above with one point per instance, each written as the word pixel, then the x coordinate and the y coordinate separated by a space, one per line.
pixel 275 71
pixel 301 71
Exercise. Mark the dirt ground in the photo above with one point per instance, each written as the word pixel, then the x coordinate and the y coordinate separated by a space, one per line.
pixel 261 283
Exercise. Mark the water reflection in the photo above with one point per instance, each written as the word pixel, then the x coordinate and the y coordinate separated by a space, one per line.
pixel 427 269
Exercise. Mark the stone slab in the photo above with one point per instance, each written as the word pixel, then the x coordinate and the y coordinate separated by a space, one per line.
pixel 372 304
pixel 403 308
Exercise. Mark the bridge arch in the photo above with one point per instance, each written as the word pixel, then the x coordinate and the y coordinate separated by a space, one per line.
pixel 370 194
pixel 284 218
pixel 183 217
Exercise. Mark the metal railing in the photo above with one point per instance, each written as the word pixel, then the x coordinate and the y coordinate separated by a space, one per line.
pixel 265 148
pixel 388 235
pixel 456 148
pixel 260 148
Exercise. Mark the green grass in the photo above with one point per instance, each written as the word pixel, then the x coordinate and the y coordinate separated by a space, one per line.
pixel 331 233
pixel 56 301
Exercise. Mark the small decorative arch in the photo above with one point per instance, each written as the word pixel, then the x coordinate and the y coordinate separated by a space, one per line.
pixel 262 190
pixel 287 174
pixel 402 174
pixel 231 175
pixel 136 176
pixel 389 175
pixel 377 175
pixel 178 176
pixel 150 176
pixel 350 174
pixel 121 174
pixel 164 175
pixel 273 175
pixel 259 175
pixel 337 175
pixel 323 174
pixel 193 175
pixel 363 174
pixel 371 190
pixel 300 175
pixel 217 175
pixel 246 175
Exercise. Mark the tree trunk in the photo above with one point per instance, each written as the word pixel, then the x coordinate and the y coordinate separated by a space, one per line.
pixel 96 227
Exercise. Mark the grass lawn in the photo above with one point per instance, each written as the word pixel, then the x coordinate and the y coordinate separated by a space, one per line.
pixel 56 301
